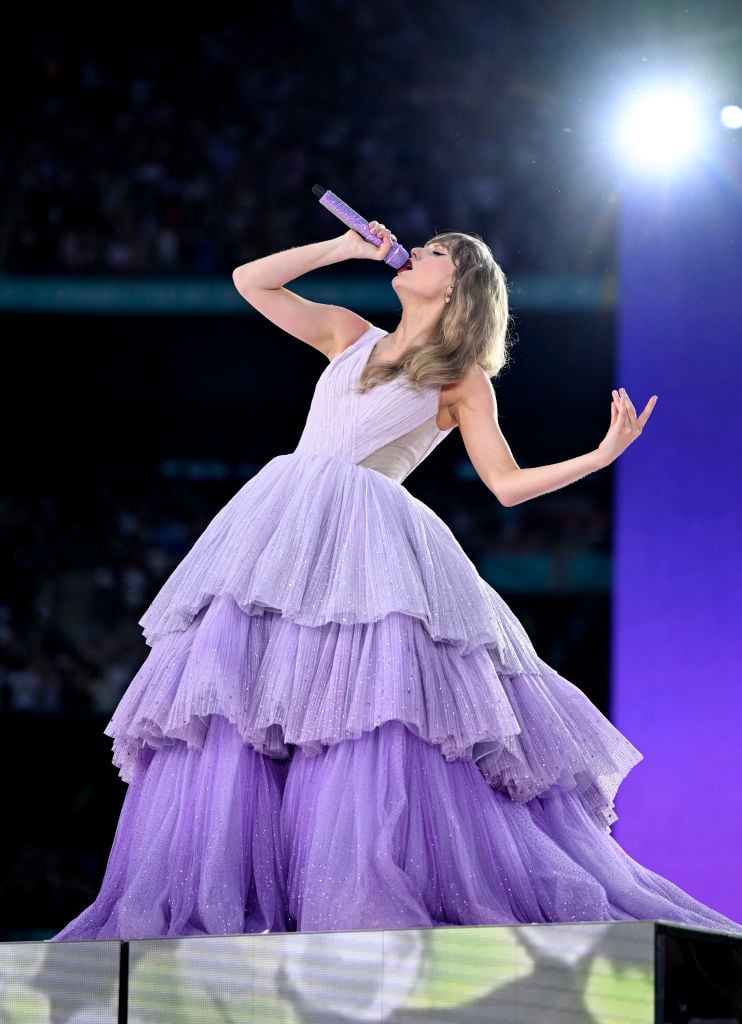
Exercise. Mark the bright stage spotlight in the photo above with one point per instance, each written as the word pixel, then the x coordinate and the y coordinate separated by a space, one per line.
pixel 659 129
pixel 731 116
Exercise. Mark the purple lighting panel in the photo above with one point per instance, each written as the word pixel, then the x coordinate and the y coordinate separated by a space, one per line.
pixel 677 588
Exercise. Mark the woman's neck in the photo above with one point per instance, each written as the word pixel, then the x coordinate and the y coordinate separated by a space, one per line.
pixel 411 333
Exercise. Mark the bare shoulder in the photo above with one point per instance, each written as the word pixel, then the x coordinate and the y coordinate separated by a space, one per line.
pixel 349 327
pixel 473 391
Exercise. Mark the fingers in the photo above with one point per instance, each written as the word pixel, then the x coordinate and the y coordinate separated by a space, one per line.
pixel 380 230
pixel 378 250
pixel 647 410
pixel 621 408
pixel 614 411
pixel 623 402
pixel 629 404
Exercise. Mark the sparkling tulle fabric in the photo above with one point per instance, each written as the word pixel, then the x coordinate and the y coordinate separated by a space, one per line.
pixel 340 725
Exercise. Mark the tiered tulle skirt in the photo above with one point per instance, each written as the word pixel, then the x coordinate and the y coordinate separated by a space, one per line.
pixel 340 725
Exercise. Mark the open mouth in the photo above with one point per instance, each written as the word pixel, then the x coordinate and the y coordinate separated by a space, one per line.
pixel 405 266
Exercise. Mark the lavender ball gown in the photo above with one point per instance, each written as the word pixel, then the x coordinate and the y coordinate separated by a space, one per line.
pixel 340 725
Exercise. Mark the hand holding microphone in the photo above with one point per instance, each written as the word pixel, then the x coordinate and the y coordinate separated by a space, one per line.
pixel 397 255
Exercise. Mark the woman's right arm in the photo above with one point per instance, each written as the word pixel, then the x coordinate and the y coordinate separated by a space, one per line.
pixel 325 327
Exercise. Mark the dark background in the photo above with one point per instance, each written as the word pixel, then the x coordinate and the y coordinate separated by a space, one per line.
pixel 143 147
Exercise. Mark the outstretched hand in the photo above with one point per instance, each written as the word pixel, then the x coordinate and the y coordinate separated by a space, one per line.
pixel 625 426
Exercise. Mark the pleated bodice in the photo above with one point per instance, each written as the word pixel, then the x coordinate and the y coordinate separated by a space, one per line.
pixel 390 428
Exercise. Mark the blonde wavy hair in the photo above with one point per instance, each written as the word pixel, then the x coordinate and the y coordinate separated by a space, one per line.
pixel 474 327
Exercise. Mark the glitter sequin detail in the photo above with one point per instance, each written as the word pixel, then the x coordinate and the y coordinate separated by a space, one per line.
pixel 341 725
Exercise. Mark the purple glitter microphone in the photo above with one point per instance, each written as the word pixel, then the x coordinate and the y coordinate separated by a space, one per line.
pixel 396 257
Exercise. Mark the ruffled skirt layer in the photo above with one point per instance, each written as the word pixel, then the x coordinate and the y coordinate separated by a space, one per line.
pixel 340 725
pixel 378 832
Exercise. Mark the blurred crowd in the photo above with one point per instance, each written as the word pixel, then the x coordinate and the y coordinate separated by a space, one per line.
pixel 158 150
pixel 76 573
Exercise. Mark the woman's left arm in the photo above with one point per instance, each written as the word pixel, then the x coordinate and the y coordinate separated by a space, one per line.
pixel 474 408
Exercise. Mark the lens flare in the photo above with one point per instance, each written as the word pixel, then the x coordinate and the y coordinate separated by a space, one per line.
pixel 660 128
pixel 731 116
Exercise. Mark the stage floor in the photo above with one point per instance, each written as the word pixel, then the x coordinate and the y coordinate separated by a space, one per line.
pixel 645 972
